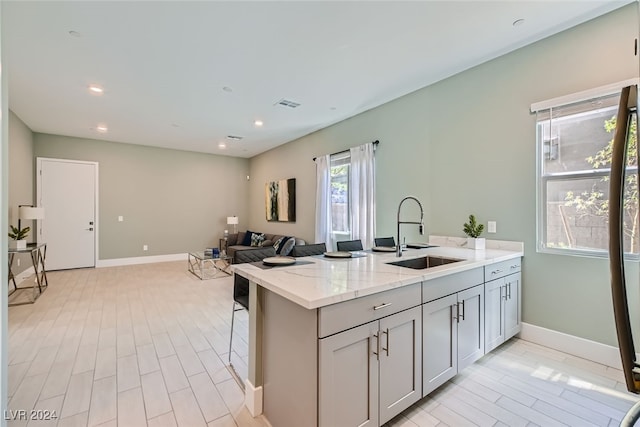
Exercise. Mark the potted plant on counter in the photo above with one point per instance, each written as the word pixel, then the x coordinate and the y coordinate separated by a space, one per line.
pixel 19 236
pixel 473 230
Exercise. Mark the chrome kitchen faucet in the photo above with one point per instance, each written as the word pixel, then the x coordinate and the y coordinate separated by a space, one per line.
pixel 421 228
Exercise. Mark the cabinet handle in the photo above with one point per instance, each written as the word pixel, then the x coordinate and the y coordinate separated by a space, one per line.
pixel 378 307
pixel 457 316
pixel 514 266
pixel 496 271
pixel 505 297
pixel 387 348
pixel 462 315
pixel 377 353
pixel 509 289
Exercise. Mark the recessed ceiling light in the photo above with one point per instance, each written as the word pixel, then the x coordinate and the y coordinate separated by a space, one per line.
pixel 102 128
pixel 222 145
pixel 518 22
pixel 96 89
pixel 75 34
pixel 258 123
pixel 227 89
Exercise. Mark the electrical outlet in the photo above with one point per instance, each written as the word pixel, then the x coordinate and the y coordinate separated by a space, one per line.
pixel 491 227
pixel 145 247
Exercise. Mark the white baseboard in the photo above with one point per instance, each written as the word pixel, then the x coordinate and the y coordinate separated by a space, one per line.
pixel 24 275
pixel 253 398
pixel 591 350
pixel 140 260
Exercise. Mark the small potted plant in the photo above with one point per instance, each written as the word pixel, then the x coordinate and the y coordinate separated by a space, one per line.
pixel 473 230
pixel 19 237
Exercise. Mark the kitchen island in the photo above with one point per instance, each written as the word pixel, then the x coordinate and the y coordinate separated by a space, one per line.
pixel 355 341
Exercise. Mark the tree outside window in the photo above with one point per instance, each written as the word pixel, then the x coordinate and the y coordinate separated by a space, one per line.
pixel 575 143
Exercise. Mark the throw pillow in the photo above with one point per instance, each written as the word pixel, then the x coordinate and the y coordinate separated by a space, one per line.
pixel 267 243
pixel 277 244
pixel 287 246
pixel 246 241
pixel 257 239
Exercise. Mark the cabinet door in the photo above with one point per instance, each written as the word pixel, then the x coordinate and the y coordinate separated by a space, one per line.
pixel 400 362
pixel 439 349
pixel 348 378
pixel 512 307
pixel 494 314
pixel 470 321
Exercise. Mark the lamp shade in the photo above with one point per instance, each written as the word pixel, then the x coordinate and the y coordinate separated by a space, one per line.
pixel 29 212
pixel 232 220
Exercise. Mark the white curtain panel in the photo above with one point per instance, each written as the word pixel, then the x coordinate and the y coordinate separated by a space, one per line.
pixel 323 201
pixel 362 188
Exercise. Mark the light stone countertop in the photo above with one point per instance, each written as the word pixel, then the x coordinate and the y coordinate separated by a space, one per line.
pixel 327 281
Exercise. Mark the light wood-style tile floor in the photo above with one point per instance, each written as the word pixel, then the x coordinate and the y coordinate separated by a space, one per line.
pixel 148 345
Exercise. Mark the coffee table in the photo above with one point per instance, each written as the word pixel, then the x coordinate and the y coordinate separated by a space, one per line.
pixel 207 267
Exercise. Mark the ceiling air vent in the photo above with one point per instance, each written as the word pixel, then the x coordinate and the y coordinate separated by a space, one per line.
pixel 287 103
pixel 234 137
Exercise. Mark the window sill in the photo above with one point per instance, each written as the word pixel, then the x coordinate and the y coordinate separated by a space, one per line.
pixel 585 253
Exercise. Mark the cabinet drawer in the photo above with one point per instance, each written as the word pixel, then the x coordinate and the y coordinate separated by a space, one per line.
pixel 344 315
pixel 501 269
pixel 447 285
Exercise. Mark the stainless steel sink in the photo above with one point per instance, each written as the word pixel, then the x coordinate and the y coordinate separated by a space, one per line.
pixel 424 262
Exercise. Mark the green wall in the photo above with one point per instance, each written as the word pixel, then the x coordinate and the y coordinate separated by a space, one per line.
pixel 21 181
pixel 467 145
pixel 173 201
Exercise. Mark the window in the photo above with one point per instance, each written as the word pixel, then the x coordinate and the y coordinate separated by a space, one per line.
pixel 574 158
pixel 340 211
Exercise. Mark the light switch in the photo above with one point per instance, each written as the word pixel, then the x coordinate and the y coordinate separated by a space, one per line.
pixel 491 227
pixel 120 218
pixel 145 247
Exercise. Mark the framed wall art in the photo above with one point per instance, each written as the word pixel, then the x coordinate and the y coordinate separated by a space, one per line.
pixel 280 200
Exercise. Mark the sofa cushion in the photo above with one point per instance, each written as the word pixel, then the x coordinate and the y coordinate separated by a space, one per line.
pixel 232 239
pixel 257 239
pixel 253 254
pixel 246 239
pixel 287 246
pixel 284 245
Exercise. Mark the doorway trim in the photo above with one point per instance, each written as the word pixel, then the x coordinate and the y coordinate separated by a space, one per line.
pixel 96 201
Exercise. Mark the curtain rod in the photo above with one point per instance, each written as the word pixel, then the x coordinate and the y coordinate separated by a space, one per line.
pixel 376 142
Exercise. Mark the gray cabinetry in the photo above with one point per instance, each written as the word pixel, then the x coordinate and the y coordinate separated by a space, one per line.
pixel 512 309
pixel 453 335
pixel 440 336
pixel 470 322
pixel 370 373
pixel 349 378
pixel 400 355
pixel 503 302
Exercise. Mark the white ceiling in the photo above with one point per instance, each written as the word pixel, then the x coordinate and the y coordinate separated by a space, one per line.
pixel 164 64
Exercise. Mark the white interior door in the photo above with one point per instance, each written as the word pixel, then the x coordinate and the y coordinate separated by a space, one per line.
pixel 67 191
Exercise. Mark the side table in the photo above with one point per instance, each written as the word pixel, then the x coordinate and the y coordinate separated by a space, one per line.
pixel 206 266
pixel 38 253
